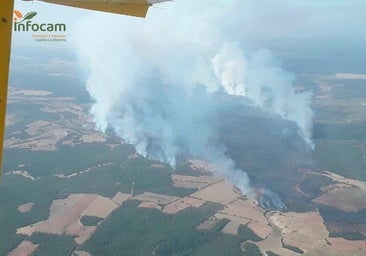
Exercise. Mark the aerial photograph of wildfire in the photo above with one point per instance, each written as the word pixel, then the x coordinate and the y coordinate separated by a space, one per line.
pixel 186 127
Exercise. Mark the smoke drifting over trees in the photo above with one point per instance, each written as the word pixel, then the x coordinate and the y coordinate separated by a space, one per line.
pixel 152 80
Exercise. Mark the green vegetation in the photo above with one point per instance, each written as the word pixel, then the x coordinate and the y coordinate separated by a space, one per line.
pixel 222 244
pixel 55 245
pixel 90 220
pixel 79 157
pixel 174 191
pixel 204 242
pixel 9 241
pixel 137 231
pixel 348 235
pixel 183 244
pixel 270 253
pixel 104 180
pixel 251 250
pixel 39 78
pixel 246 234
pixel 292 248
pixel 187 242
pixel 140 231
pixel 345 157
pixel 10 217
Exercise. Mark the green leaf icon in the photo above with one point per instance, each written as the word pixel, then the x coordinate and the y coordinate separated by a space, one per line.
pixel 29 15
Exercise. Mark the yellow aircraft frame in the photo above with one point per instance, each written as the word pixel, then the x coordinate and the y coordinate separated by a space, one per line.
pixel 137 8
pixel 6 21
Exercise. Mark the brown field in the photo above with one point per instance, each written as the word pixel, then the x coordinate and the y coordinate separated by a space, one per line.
pixel 237 210
pixel 181 204
pixel 302 230
pixel 245 209
pixel 232 227
pixel 339 247
pixel 29 230
pixel 307 232
pixel 74 125
pixel 23 208
pixel 43 137
pixel 62 206
pixel 119 198
pixel 37 127
pixel 244 212
pixel 193 181
pixel 150 205
pixel 156 198
pixel 261 229
pixel 101 207
pixel 348 199
pixel 222 192
pixel 273 243
pixel 341 179
pixel 61 218
pixel 65 216
pixel 25 248
pixel 92 138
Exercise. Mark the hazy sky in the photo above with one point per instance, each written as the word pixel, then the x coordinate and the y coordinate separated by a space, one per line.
pixel 332 26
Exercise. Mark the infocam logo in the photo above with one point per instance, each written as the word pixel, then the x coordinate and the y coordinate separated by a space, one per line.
pixel 25 23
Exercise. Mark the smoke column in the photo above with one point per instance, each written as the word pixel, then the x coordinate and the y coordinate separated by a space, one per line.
pixel 152 80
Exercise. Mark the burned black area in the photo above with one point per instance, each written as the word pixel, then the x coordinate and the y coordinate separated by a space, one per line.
pixel 270 150
pixel 311 185
pixel 331 214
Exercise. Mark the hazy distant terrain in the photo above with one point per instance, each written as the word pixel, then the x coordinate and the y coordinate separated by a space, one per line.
pixel 66 188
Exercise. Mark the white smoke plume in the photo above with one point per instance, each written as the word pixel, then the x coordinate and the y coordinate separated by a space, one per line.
pixel 258 78
pixel 152 80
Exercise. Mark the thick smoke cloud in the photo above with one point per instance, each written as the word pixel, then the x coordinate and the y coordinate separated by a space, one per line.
pixel 258 78
pixel 152 80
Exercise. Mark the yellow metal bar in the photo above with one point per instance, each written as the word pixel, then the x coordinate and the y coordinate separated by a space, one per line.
pixel 6 21
pixel 135 8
